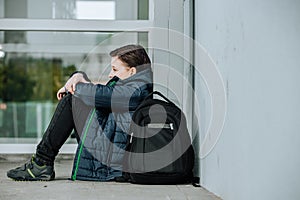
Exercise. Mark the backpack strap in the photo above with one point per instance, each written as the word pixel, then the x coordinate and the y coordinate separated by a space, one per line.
pixel 159 94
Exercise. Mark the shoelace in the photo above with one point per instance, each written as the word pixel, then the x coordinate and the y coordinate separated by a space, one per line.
pixel 28 165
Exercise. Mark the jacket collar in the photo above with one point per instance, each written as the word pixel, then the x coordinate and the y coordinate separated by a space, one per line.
pixel 144 76
pixel 113 81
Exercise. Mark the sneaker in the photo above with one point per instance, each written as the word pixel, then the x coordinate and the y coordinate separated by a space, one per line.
pixel 31 171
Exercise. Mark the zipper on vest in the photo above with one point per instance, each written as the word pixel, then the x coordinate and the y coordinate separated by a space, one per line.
pixel 81 146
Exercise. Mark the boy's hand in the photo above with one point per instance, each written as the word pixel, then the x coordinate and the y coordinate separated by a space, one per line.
pixel 71 83
pixel 61 93
pixel 70 86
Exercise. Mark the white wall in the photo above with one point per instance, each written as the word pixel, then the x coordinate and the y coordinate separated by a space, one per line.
pixel 256 45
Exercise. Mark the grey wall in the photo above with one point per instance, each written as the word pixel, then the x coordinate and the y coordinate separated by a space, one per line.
pixel 256 46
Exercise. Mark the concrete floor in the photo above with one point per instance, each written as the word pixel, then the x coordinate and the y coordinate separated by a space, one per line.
pixel 62 188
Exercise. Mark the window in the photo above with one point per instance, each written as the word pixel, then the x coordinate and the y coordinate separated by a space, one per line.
pixel 75 9
pixel 36 64
pixel 95 10
pixel 42 42
pixel 37 55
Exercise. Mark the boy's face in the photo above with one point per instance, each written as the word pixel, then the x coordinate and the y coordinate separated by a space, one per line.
pixel 120 69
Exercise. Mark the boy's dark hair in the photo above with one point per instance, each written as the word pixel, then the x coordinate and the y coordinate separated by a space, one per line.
pixel 133 55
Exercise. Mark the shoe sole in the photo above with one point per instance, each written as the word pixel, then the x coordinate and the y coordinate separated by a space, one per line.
pixel 42 178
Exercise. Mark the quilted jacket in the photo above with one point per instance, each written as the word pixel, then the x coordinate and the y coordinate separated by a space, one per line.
pixel 101 149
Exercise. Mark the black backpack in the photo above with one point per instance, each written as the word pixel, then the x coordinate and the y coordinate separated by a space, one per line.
pixel 159 149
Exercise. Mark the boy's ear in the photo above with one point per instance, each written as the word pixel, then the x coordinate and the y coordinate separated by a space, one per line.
pixel 132 70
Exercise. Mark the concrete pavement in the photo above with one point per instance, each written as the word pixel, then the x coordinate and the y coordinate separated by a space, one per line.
pixel 63 188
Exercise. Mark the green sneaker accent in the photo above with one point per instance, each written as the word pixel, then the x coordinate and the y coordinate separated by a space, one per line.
pixel 30 171
pixel 31 174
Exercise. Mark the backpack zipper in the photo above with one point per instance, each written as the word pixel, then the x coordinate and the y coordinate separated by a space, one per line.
pixel 131 136
pixel 155 125
pixel 161 126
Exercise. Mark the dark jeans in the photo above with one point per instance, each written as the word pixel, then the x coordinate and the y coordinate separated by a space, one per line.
pixel 70 114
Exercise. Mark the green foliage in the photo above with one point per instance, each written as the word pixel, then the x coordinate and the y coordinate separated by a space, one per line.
pixel 32 79
pixel 15 85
